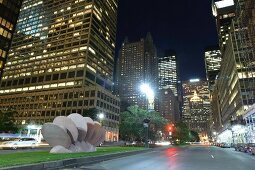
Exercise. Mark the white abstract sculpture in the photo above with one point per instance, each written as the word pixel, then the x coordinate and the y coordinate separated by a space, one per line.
pixel 73 133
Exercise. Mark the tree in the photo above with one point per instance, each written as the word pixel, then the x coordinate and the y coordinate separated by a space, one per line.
pixel 7 121
pixel 131 124
pixel 194 137
pixel 181 133
pixel 92 113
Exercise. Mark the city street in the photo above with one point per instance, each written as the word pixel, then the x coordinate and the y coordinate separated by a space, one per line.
pixel 181 158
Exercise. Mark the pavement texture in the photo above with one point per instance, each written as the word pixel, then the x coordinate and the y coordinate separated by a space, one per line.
pixel 179 158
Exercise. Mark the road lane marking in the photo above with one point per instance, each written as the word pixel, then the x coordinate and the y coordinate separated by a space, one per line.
pixel 173 155
pixel 212 156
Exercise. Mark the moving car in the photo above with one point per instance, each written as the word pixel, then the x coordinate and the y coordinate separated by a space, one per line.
pixel 20 143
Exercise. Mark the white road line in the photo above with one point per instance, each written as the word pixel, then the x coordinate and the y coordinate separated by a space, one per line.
pixel 174 155
pixel 212 156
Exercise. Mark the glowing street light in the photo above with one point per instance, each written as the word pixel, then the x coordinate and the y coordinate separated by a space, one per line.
pixel 147 90
pixel 149 93
pixel 101 116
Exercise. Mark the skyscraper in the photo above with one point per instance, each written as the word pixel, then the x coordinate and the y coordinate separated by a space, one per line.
pixel 62 61
pixel 168 105
pixel 224 12
pixel 212 64
pixel 137 64
pixel 9 12
pixel 196 107
pixel 168 87
pixel 235 84
pixel 168 74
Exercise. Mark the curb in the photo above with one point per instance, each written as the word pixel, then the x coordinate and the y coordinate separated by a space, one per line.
pixel 74 162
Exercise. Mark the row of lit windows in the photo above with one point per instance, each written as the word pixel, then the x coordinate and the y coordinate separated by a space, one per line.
pixel 6 24
pixel 51 57
pixel 62 96
pixel 39 87
pixel 42 79
pixel 62 113
pixel 1 64
pixel 5 33
pixel 2 53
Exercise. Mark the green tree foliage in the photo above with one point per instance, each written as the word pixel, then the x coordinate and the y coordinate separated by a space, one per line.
pixel 194 137
pixel 181 133
pixel 7 120
pixel 131 124
pixel 92 113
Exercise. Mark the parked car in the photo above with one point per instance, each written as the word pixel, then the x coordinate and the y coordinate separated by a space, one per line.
pixel 20 143
pixel 240 147
pixel 248 147
pixel 253 150
pixel 225 145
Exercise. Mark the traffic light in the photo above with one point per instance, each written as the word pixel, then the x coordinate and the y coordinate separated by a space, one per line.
pixel 170 128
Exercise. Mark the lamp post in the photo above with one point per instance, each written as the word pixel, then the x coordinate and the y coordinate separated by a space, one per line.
pixel 146 122
pixel 147 90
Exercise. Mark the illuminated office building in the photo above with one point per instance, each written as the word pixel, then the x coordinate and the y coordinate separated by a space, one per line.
pixel 224 12
pixel 234 88
pixel 168 86
pixel 212 64
pixel 197 106
pixel 168 75
pixel 61 62
pixel 137 64
pixel 9 12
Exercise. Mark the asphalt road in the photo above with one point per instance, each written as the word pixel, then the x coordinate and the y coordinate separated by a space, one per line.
pixel 181 158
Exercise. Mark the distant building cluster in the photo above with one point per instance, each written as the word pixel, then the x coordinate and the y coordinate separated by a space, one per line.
pixel 139 63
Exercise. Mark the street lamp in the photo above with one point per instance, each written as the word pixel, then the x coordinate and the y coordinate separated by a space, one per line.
pixel 147 90
pixel 101 117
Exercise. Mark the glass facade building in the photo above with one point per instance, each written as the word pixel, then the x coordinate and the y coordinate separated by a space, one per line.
pixel 168 75
pixel 168 86
pixel 9 12
pixel 212 64
pixel 62 60
pixel 235 84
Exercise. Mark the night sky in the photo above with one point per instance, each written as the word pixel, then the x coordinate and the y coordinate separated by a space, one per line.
pixel 186 26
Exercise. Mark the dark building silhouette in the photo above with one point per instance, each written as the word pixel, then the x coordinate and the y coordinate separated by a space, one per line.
pixel 137 64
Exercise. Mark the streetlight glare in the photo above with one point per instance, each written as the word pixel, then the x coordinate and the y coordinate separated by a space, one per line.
pixel 146 89
pixel 101 116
